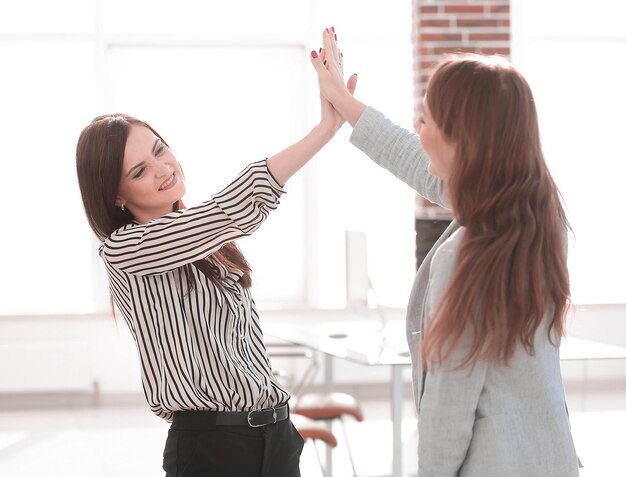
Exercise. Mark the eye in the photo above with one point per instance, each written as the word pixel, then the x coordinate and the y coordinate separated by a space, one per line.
pixel 139 173
pixel 159 150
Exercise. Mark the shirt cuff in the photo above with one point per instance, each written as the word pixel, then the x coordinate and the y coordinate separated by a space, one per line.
pixel 273 182
pixel 367 128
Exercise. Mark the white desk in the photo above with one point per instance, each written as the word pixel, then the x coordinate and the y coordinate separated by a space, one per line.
pixel 348 336
pixel 343 335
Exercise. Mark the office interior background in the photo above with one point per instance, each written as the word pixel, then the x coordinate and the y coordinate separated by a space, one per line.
pixel 228 83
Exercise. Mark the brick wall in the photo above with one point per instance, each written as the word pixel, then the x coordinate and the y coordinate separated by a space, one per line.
pixel 440 26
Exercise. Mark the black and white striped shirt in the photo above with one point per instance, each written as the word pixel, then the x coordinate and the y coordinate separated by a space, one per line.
pixel 202 350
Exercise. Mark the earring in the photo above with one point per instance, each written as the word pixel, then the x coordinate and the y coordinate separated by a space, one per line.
pixel 122 207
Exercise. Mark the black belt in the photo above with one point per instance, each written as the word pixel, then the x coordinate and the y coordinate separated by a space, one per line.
pixel 208 419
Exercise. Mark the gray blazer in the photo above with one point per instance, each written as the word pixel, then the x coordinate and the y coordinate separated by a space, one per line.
pixel 492 420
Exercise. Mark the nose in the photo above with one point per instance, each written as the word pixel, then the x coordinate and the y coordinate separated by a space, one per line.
pixel 163 169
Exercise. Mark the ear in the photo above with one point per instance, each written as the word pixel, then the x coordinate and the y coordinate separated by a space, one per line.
pixel 119 202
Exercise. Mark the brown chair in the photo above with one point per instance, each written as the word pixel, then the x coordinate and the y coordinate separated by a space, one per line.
pixel 330 407
pixel 314 431
pixel 327 407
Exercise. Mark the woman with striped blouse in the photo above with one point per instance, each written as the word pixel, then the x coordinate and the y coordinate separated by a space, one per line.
pixel 183 287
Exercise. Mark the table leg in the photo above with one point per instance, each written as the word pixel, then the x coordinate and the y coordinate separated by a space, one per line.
pixel 328 387
pixel 396 419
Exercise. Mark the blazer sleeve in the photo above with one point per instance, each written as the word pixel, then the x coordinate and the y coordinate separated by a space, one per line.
pixel 191 234
pixel 450 398
pixel 399 151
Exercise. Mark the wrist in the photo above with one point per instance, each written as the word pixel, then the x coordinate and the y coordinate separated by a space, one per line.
pixel 325 130
pixel 349 107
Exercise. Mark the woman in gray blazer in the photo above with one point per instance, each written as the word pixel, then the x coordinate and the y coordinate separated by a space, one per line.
pixel 487 310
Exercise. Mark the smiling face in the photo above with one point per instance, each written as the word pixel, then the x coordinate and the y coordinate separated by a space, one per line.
pixel 151 180
pixel 440 150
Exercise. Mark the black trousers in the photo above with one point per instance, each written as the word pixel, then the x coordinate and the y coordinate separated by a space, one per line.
pixel 234 451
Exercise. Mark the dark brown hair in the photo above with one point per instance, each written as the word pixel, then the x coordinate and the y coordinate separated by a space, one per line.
pixel 512 262
pixel 99 160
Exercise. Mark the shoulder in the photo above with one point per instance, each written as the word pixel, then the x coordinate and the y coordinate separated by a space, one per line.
pixel 128 230
pixel 117 238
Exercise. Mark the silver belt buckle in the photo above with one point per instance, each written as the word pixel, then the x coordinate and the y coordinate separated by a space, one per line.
pixel 274 415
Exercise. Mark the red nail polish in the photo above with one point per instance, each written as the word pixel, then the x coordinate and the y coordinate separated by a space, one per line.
pixel 314 54
pixel 333 29
pixel 335 37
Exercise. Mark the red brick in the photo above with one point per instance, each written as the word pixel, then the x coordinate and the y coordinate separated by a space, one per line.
pixel 488 50
pixel 499 9
pixel 428 9
pixel 489 37
pixel 427 65
pixel 477 22
pixel 428 22
pixel 427 37
pixel 456 49
pixel 464 9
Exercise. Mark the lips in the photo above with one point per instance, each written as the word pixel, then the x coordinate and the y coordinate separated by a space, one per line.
pixel 169 182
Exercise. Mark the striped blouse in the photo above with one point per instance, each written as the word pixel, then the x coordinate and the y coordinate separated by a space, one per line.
pixel 199 350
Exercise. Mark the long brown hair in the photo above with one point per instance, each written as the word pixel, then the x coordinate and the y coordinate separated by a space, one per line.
pixel 512 262
pixel 99 160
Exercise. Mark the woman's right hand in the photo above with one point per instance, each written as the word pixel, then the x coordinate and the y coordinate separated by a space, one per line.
pixel 329 68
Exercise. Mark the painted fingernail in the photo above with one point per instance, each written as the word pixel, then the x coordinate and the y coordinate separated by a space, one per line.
pixel 324 62
pixel 320 50
pixel 314 54
pixel 335 37
pixel 333 29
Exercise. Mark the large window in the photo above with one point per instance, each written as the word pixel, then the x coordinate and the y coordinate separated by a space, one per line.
pixel 573 57
pixel 226 83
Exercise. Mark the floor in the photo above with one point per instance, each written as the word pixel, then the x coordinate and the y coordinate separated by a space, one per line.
pixel 127 441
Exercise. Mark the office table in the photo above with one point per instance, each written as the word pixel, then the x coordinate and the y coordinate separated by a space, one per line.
pixel 372 342
pixel 348 336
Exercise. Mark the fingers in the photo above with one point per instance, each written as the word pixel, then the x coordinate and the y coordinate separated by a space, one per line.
pixel 351 85
pixel 329 39
pixel 329 65
pixel 317 62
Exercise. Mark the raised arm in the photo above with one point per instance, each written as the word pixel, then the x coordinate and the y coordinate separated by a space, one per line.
pixel 287 162
pixel 190 234
pixel 392 147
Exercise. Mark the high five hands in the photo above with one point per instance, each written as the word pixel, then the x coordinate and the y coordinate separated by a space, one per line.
pixel 328 64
